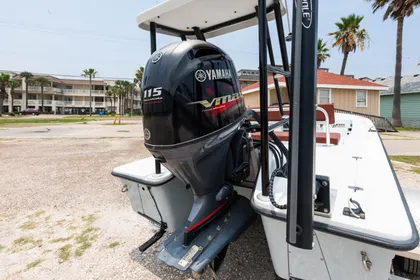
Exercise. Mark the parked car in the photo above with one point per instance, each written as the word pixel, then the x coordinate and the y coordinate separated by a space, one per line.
pixel 30 111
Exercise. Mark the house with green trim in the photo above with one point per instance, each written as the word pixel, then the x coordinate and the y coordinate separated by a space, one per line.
pixel 410 99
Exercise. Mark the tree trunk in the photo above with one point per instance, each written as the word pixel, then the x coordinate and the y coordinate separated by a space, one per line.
pixel 26 91
pixel 343 66
pixel 42 99
pixel 396 109
pixel 318 63
pixel 11 97
pixel 90 95
pixel 1 101
pixel 132 99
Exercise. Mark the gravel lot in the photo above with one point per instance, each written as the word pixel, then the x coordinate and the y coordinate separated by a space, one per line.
pixel 62 215
pixel 62 188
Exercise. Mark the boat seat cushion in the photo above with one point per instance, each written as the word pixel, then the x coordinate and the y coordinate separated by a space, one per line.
pixel 274 115
pixel 321 137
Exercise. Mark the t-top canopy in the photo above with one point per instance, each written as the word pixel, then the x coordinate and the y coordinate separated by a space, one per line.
pixel 213 17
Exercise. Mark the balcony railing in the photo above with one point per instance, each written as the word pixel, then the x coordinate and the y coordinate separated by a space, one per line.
pixel 99 104
pixel 16 102
pixel 46 89
pixel 83 92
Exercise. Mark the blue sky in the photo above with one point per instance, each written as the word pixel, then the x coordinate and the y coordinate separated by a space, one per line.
pixel 64 37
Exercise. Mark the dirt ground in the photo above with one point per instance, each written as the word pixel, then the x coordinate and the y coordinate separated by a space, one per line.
pixel 63 216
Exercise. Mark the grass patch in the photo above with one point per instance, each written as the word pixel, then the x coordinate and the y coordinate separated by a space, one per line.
pixel 33 264
pixel 64 252
pixel 413 160
pixel 114 244
pixel 84 240
pixel 415 170
pixel 62 239
pixel 26 240
pixel 28 225
pixel 89 218
pixel 407 128
pixel 36 214
pixel 33 120
pixel 46 252
pixel 117 124
pixel 72 228
pixel 2 248
pixel 47 218
pixel 60 223
pixel 82 248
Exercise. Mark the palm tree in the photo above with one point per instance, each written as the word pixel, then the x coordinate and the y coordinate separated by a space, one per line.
pixel 131 88
pixel 398 10
pixel 123 89
pixel 139 77
pixel 112 94
pixel 4 79
pixel 91 73
pixel 12 84
pixel 349 37
pixel 42 81
pixel 323 52
pixel 27 76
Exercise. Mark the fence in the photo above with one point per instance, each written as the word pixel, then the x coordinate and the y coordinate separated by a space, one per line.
pixel 381 123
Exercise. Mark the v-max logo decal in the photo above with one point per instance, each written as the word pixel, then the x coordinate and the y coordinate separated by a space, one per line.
pixel 217 101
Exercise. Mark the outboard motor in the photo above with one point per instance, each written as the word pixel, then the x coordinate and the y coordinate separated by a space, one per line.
pixel 194 117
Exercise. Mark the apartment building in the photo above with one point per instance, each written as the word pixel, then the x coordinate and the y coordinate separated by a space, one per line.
pixel 66 95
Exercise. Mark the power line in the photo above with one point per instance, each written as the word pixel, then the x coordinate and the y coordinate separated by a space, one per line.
pixel 69 32
pixel 70 75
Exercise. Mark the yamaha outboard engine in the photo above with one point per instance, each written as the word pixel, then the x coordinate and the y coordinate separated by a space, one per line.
pixel 194 117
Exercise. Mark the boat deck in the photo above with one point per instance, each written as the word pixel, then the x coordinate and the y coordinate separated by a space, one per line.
pixel 358 160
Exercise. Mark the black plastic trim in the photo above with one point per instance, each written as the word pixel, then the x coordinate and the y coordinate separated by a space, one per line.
pixel 407 245
pixel 140 181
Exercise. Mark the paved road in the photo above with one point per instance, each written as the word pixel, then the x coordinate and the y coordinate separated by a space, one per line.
pixel 100 129
pixel 402 143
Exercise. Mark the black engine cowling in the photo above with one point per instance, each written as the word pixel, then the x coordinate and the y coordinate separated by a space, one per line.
pixel 193 123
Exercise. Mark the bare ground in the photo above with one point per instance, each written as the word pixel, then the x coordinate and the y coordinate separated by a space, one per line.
pixel 62 216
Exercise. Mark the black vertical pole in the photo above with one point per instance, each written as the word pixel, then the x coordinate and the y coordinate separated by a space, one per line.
pixel 262 31
pixel 301 176
pixel 152 37
pixel 283 49
pixel 199 34
pixel 273 63
pixel 152 50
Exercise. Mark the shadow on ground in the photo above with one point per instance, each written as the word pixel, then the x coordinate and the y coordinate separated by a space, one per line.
pixel 247 258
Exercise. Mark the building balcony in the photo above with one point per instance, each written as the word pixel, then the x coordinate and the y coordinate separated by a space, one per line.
pixel 47 102
pixel 83 92
pixel 16 102
pixel 46 89
pixel 99 104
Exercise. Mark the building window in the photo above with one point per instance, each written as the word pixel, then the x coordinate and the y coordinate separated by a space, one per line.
pixel 324 96
pixel 361 98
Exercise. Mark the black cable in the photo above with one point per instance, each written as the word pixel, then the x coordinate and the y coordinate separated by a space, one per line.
pixel 275 157
pixel 162 223
pixel 271 190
